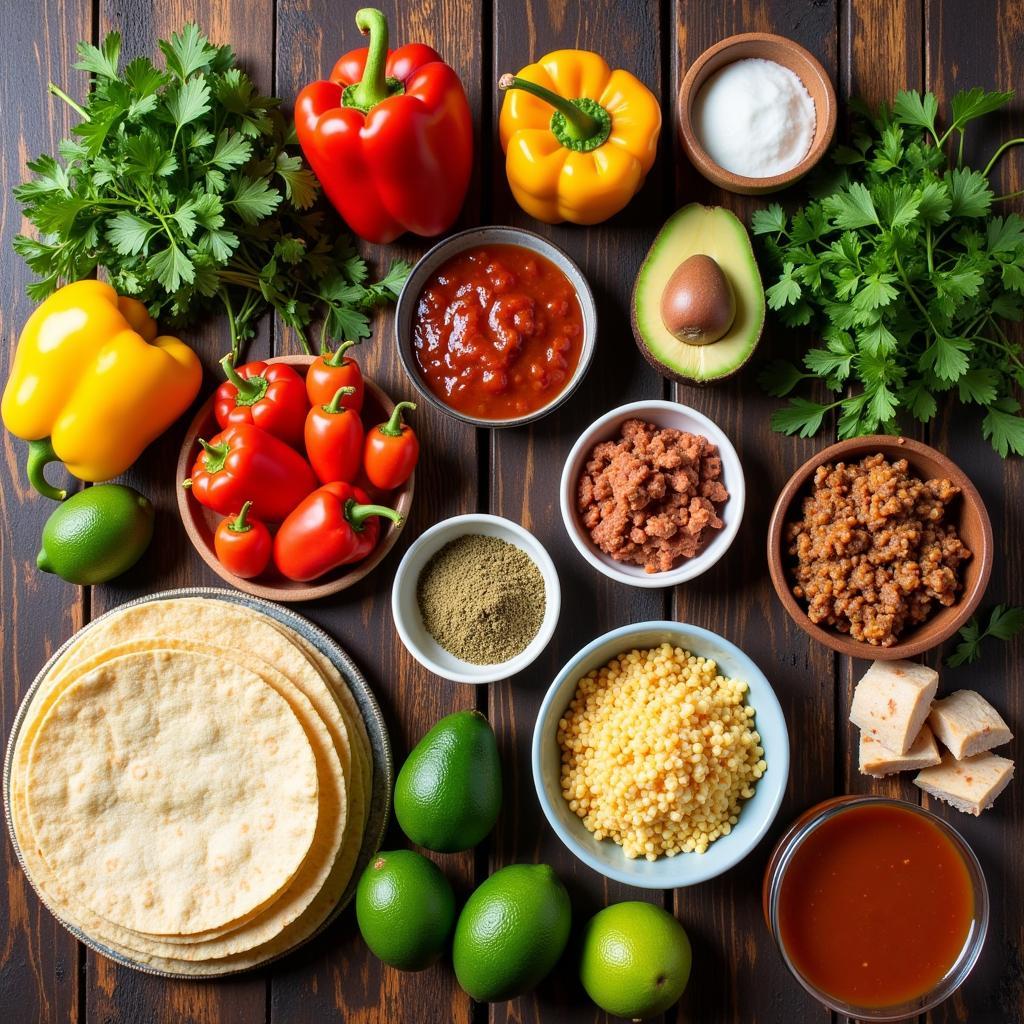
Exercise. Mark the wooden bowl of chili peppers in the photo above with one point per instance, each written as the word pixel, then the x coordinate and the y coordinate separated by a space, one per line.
pixel 296 476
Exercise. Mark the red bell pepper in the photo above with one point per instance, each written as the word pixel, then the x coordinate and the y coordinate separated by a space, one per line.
pixel 245 463
pixel 243 545
pixel 333 370
pixel 392 451
pixel 390 136
pixel 334 440
pixel 270 395
pixel 334 526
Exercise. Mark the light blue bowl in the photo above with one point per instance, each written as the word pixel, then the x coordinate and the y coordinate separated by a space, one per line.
pixel 756 814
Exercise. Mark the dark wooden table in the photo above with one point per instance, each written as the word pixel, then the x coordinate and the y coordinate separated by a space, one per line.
pixel 872 48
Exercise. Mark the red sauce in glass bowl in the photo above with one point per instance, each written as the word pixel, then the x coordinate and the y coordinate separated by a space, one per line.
pixel 498 332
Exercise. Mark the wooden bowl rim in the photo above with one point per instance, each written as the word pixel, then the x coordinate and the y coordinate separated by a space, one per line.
pixel 188 508
pixel 924 636
pixel 825 111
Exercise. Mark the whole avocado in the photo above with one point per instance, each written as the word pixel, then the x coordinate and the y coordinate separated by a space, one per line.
pixel 448 793
pixel 96 534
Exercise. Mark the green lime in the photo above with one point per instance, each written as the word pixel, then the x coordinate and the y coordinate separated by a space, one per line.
pixel 405 908
pixel 448 793
pixel 635 961
pixel 96 534
pixel 511 932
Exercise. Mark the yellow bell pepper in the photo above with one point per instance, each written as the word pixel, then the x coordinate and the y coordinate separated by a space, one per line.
pixel 585 161
pixel 92 384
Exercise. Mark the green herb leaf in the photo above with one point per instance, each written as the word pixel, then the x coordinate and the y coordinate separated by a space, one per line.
pixel 779 377
pixel 852 207
pixel 915 110
pixel 189 101
pixel 769 221
pixel 1004 623
pixel 800 416
pixel 1003 427
pixel 101 61
pixel 976 103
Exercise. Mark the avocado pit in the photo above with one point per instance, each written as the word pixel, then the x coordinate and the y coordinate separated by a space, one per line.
pixel 698 305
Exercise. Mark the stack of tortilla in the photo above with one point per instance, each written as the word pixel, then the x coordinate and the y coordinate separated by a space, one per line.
pixel 190 786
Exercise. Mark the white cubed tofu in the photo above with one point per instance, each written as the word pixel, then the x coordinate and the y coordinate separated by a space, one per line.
pixel 879 761
pixel 970 785
pixel 967 724
pixel 891 702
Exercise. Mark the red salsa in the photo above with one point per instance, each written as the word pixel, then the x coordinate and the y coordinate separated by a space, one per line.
pixel 498 332
pixel 876 906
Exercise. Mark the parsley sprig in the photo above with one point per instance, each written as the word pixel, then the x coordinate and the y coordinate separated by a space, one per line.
pixel 906 277
pixel 186 186
pixel 1004 623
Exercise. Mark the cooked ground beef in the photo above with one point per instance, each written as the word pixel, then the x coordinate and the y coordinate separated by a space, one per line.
pixel 650 497
pixel 872 554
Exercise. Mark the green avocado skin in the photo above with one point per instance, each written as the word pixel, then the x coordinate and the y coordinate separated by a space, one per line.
pixel 448 793
pixel 97 534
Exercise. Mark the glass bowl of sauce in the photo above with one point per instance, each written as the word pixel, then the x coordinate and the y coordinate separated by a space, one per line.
pixel 496 326
pixel 879 908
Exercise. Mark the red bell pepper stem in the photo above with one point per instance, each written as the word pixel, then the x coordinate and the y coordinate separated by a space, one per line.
pixel 334 406
pixel 393 427
pixel 241 524
pixel 249 391
pixel 357 514
pixel 337 357
pixel 374 86
pixel 215 455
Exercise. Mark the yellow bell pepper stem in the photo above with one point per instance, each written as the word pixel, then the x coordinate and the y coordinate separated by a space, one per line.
pixel 40 455
pixel 580 124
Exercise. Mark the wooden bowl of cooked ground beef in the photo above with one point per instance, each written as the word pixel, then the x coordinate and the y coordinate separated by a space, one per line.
pixel 880 547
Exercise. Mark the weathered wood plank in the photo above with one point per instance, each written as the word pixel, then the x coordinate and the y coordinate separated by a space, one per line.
pixel 338 976
pixel 984 48
pixel 527 463
pixel 39 978
pixel 736 597
pixel 115 993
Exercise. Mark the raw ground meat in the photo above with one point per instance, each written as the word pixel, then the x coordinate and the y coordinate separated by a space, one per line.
pixel 872 553
pixel 652 496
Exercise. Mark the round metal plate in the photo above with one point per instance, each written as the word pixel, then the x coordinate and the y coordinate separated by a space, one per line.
pixel 380 799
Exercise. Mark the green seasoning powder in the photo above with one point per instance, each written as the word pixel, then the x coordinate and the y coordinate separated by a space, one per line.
pixel 481 598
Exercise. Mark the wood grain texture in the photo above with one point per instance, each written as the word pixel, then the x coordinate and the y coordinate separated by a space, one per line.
pixel 39 960
pixel 527 465
pixel 337 974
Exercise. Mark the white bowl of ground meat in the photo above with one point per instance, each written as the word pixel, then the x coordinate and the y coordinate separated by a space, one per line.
pixel 652 494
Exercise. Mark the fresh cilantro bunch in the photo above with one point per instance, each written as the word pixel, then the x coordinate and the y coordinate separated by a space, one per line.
pixel 186 187
pixel 905 276
pixel 1004 623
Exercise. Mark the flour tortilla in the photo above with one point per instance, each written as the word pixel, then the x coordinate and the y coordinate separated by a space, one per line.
pixel 243 630
pixel 172 791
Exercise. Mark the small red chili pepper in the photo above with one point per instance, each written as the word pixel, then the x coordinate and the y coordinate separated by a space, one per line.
pixel 271 396
pixel 243 545
pixel 333 526
pixel 333 370
pixel 334 439
pixel 245 463
pixel 392 450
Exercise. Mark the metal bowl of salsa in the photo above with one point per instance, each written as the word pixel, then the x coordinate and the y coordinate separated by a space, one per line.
pixel 496 326
pixel 878 907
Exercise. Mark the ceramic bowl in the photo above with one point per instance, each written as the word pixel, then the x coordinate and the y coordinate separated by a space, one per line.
pixel 409 623
pixel 664 414
pixel 756 814
pixel 967 512
pixel 766 47
pixel 405 312
pixel 201 523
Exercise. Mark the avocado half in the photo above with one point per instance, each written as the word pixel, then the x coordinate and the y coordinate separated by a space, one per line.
pixel 718 233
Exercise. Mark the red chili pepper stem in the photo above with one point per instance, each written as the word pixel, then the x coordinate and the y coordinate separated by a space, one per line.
pixel 374 86
pixel 581 124
pixel 216 454
pixel 241 524
pixel 357 514
pixel 337 357
pixel 393 427
pixel 334 406
pixel 249 391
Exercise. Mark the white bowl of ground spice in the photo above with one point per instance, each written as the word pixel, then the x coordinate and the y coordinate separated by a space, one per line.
pixel 476 598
